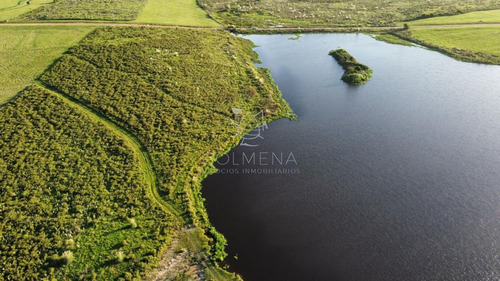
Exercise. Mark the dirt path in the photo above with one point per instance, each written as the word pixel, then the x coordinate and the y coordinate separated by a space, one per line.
pixel 146 164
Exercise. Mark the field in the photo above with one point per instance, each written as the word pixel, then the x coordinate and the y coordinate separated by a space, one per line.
pixel 13 8
pixel 333 12
pixel 25 52
pixel 473 44
pixel 110 10
pixel 75 203
pixel 473 17
pixel 175 12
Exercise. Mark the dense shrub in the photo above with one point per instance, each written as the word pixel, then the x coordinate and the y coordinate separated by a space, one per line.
pixel 174 89
pixel 67 185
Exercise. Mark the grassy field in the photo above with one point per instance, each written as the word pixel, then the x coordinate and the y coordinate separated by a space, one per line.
pixel 175 12
pixel 333 12
pixel 473 44
pixel 25 52
pixel 477 39
pixel 473 17
pixel 10 9
pixel 109 10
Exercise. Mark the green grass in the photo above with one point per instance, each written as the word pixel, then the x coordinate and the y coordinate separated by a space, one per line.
pixel 10 9
pixel 175 12
pixel 390 38
pixel 475 40
pixel 473 17
pixel 334 12
pixel 109 10
pixel 25 52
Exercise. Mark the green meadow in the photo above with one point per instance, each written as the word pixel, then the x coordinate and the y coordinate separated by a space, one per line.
pixel 25 52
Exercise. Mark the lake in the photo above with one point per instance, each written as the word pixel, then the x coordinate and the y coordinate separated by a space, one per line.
pixel 397 179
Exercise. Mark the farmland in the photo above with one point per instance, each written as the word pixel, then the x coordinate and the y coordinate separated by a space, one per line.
pixel 473 17
pixel 10 9
pixel 25 52
pixel 175 12
pixel 473 44
pixel 330 12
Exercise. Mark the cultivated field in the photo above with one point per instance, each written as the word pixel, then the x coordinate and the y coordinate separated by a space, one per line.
pixel 25 52
pixel 175 12
pixel 481 44
pixel 473 17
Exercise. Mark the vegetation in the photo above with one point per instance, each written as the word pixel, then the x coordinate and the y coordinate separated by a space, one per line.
pixel 160 85
pixel 473 17
pixel 175 12
pixel 473 44
pixel 355 72
pixel 68 185
pixel 123 10
pixel 333 12
pixel 25 52
pixel 12 8
pixel 390 38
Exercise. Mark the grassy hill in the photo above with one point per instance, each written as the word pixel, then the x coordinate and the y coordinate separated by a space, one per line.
pixel 132 123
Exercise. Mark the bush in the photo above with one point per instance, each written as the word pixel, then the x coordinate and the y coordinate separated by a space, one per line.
pixel 67 257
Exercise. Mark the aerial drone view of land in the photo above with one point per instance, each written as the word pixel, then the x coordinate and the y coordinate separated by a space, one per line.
pixel 113 113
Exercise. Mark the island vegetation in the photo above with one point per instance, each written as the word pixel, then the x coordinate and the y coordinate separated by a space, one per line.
pixel 355 73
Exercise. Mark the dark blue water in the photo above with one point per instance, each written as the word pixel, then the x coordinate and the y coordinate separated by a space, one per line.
pixel 398 179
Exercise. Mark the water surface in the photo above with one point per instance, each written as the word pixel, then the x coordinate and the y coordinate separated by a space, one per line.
pixel 399 179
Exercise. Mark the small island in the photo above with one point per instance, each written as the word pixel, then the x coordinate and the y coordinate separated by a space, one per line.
pixel 355 72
